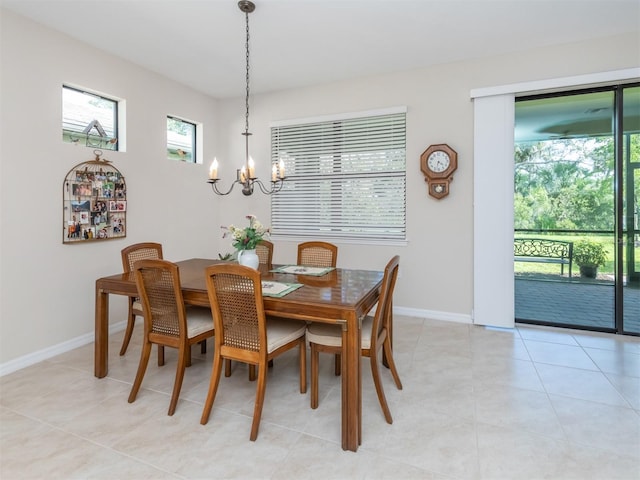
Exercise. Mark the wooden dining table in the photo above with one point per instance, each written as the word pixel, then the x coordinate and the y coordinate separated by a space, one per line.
pixel 341 296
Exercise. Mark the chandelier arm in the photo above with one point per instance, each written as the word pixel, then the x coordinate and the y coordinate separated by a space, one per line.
pixel 214 187
pixel 275 186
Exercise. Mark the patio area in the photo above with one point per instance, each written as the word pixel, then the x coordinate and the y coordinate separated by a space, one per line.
pixel 574 302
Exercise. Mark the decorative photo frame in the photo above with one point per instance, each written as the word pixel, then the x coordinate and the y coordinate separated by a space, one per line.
pixel 94 201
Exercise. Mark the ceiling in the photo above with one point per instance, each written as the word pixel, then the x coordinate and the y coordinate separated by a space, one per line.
pixel 296 43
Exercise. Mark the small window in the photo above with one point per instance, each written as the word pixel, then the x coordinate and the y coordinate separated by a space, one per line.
pixel 181 140
pixel 89 119
pixel 345 177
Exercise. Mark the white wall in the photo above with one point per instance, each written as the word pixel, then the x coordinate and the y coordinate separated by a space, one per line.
pixel 47 289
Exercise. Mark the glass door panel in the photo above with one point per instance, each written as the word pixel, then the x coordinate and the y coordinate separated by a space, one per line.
pixel 630 241
pixel 564 194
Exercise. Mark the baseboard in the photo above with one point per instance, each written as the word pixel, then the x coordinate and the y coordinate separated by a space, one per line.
pixel 49 352
pixel 433 315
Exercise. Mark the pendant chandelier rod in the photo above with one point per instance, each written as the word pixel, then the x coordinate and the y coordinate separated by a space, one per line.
pixel 246 176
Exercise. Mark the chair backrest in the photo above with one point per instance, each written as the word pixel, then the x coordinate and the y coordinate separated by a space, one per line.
pixel 158 283
pixel 264 250
pixel 235 295
pixel 139 251
pixel 317 254
pixel 385 303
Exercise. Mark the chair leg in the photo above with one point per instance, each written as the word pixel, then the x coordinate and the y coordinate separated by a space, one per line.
pixel 227 367
pixel 392 364
pixel 160 355
pixel 303 366
pixel 252 373
pixel 203 347
pixel 213 388
pixel 375 373
pixel 314 375
pixel 142 368
pixel 131 322
pixel 257 409
pixel 184 354
pixel 338 363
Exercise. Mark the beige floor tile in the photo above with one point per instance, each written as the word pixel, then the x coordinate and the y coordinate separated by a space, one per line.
pixel 596 425
pixel 579 384
pixel 558 354
pixel 517 409
pixel 477 403
pixel 507 454
pixel 629 388
pixel 616 361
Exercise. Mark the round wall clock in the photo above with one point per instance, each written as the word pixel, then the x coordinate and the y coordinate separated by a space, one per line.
pixel 438 162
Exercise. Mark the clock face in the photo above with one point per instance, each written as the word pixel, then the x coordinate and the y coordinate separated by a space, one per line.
pixel 438 161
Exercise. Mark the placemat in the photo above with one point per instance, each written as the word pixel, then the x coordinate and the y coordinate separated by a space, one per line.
pixel 278 289
pixel 302 270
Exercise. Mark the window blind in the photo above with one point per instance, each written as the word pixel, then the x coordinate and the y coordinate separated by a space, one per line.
pixel 345 178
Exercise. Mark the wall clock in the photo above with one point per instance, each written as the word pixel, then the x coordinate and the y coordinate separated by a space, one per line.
pixel 438 162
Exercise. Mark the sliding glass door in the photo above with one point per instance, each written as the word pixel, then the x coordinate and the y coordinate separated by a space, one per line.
pixel 576 189
pixel 628 150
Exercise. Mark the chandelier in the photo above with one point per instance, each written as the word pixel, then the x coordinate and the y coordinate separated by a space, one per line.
pixel 246 176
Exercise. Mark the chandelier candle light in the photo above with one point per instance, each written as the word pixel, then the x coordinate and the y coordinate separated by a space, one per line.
pixel 246 176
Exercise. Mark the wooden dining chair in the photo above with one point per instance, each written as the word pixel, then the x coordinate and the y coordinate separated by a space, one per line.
pixel 324 337
pixel 244 334
pixel 130 255
pixel 264 250
pixel 317 254
pixel 167 322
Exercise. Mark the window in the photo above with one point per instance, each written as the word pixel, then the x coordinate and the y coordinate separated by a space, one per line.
pixel 181 140
pixel 345 177
pixel 89 119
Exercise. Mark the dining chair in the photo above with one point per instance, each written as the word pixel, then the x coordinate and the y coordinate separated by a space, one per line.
pixel 317 254
pixel 130 255
pixel 324 337
pixel 243 332
pixel 264 250
pixel 167 322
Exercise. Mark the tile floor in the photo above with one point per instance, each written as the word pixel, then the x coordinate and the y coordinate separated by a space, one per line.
pixel 477 403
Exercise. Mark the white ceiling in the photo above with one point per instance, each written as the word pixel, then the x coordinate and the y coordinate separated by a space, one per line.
pixel 296 43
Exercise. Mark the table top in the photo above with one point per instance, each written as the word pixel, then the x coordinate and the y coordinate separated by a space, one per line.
pixel 333 294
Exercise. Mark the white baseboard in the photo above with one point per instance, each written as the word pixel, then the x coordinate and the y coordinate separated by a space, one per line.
pixel 433 315
pixel 49 352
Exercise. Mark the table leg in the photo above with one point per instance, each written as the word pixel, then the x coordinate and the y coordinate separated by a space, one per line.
pixel 351 385
pixel 101 341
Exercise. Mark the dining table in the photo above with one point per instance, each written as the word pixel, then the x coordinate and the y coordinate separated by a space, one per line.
pixel 340 296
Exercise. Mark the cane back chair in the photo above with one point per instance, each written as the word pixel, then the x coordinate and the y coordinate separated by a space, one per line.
pixel 244 334
pixel 130 255
pixel 264 250
pixel 323 337
pixel 167 322
pixel 317 254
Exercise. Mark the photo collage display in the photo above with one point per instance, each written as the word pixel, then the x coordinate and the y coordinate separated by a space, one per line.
pixel 95 203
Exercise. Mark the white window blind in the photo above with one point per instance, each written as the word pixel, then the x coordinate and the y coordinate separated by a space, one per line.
pixel 345 178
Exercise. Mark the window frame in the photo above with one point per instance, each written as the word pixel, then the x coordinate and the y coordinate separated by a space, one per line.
pixel 110 142
pixel 194 143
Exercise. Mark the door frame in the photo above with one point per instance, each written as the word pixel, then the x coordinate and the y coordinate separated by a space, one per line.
pixel 494 114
